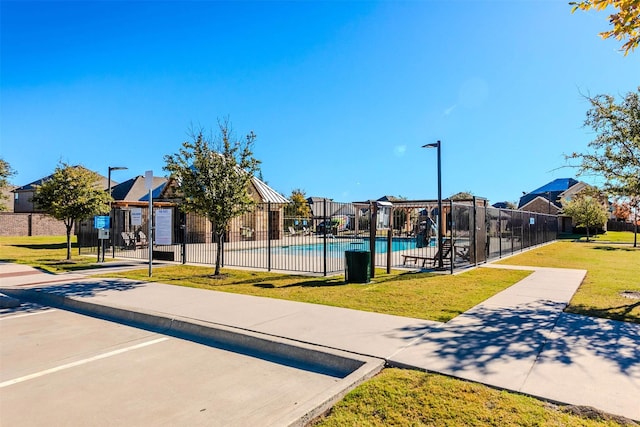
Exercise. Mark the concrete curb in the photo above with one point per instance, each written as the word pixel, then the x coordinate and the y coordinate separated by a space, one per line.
pixel 350 369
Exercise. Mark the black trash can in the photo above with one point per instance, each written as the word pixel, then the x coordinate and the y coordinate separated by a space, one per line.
pixel 357 266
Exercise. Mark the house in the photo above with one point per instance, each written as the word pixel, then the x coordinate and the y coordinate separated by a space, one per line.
pixel 24 194
pixel 8 198
pixel 548 198
pixel 265 222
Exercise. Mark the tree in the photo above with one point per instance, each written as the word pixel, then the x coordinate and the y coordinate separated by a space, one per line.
pixel 625 209
pixel 214 178
pixel 462 195
pixel 615 151
pixel 298 208
pixel 6 172
pixel 621 210
pixel 625 21
pixel 72 193
pixel 587 208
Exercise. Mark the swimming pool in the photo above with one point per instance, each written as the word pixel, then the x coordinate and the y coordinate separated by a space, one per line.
pixel 337 247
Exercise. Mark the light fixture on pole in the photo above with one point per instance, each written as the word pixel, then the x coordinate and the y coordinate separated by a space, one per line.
pixel 113 168
pixel 437 145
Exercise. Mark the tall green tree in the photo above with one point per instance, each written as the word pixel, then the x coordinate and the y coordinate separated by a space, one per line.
pixel 214 178
pixel 625 19
pixel 615 152
pixel 587 208
pixel 70 194
pixel 299 207
pixel 6 172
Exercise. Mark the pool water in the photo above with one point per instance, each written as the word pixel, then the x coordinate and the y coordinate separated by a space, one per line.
pixel 338 247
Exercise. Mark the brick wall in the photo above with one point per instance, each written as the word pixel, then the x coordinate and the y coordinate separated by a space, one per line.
pixel 30 224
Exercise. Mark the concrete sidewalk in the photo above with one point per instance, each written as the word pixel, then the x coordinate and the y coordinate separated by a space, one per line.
pixel 519 339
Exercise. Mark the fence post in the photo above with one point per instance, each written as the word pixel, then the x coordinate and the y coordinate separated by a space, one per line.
pixel 269 236
pixel 389 244
pixel 452 255
pixel 324 239
pixel 113 234
pixel 475 234
pixel 183 225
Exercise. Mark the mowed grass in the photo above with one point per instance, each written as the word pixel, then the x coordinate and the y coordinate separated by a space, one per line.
pixel 418 295
pixel 45 252
pixel 398 397
pixel 609 237
pixel 612 271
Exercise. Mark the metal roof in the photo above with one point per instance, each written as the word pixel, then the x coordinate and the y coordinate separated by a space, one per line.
pixel 267 193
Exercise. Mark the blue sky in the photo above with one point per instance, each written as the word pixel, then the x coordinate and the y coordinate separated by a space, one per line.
pixel 341 94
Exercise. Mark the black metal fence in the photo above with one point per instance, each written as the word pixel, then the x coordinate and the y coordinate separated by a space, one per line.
pixel 280 237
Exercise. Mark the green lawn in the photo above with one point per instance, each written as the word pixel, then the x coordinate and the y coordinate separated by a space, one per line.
pixel 612 269
pixel 397 397
pixel 610 236
pixel 46 252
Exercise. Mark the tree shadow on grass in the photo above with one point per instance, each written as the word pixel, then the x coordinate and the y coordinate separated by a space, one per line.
pixel 621 313
pixel 48 246
pixel 614 248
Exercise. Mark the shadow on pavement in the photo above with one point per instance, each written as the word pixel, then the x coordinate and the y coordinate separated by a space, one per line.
pixel 484 335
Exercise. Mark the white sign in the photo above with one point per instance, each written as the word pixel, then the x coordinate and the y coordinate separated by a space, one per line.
pixel 148 180
pixel 136 216
pixel 163 227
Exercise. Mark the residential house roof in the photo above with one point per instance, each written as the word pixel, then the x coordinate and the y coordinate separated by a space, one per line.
pixel 266 193
pixel 32 185
pixel 550 191
pixel 135 189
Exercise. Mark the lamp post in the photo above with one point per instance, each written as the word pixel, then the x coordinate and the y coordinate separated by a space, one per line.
pixel 437 145
pixel 111 168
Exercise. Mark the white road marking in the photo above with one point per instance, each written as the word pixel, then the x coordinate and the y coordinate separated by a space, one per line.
pixel 17 316
pixel 80 362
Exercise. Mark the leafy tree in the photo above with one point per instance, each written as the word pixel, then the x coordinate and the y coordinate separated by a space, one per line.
pixel 214 178
pixel 625 21
pixel 615 151
pixel 298 208
pixel 621 210
pixel 463 195
pixel 6 172
pixel 70 194
pixel 587 208
pixel 511 205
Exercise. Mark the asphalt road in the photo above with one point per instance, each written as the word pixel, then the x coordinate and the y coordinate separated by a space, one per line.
pixel 62 368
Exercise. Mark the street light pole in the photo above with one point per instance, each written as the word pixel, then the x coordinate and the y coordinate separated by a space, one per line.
pixel 438 145
pixel 113 168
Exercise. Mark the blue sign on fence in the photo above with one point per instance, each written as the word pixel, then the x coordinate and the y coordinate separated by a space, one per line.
pixel 101 222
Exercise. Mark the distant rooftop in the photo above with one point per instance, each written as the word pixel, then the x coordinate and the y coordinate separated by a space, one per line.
pixel 560 184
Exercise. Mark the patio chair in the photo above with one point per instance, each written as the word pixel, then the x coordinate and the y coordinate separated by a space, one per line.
pixel 142 240
pixel 446 249
pixel 129 240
